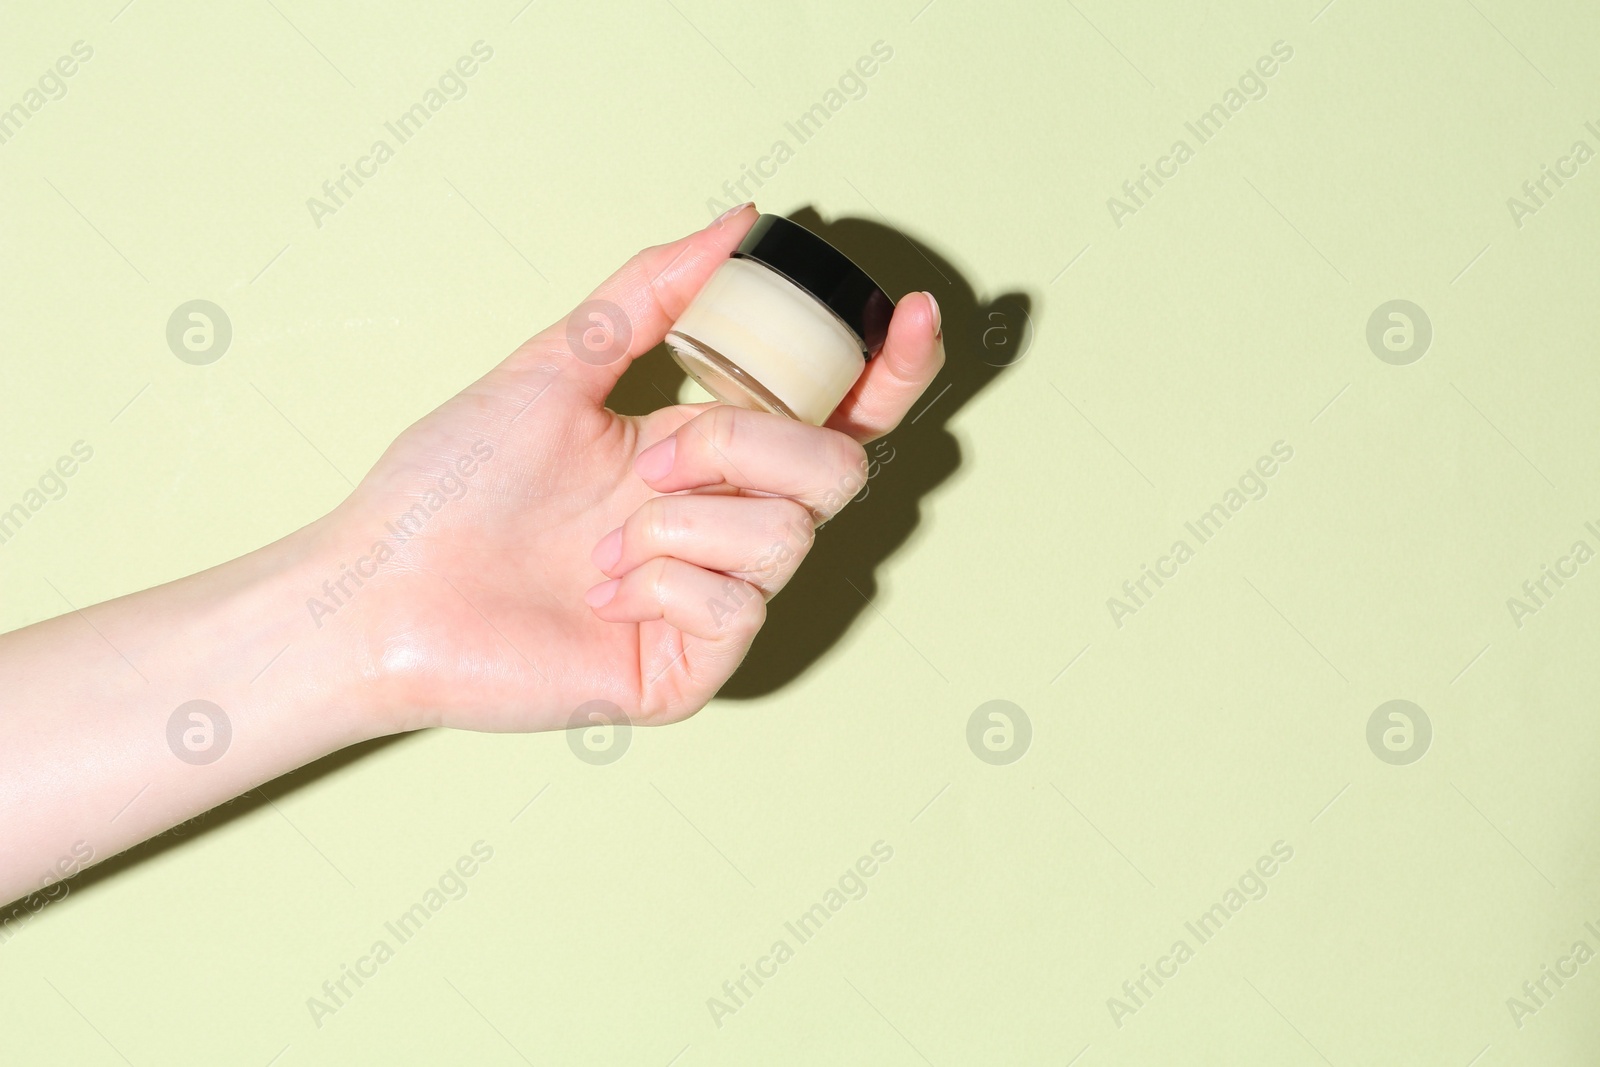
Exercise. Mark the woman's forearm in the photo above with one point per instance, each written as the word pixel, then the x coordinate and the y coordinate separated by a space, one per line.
pixel 93 760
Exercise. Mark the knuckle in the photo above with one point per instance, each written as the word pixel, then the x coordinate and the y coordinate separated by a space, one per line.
pixel 849 458
pixel 754 613
pixel 788 531
pixel 635 273
pixel 793 524
pixel 722 423
pixel 658 522
pixel 737 607
pixel 656 579
pixel 693 450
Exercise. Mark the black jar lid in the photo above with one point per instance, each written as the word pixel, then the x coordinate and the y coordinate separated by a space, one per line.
pixel 823 271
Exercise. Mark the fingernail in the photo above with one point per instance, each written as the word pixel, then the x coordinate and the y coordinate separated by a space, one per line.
pixel 731 212
pixel 937 324
pixel 601 595
pixel 654 462
pixel 608 553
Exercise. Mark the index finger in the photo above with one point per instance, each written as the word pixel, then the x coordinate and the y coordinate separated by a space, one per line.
pixel 912 354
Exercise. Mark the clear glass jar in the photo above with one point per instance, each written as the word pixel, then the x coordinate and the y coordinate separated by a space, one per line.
pixel 786 325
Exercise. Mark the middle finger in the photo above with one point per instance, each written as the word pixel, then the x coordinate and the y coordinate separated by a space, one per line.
pixel 757 452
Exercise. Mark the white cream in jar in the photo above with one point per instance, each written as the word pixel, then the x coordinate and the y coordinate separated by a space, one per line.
pixel 785 325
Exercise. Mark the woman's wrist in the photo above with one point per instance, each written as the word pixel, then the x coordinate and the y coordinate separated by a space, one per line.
pixel 304 650
pixel 241 636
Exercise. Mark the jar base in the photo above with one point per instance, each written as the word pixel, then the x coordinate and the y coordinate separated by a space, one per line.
pixel 723 378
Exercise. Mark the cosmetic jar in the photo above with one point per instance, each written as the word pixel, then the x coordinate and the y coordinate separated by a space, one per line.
pixel 786 325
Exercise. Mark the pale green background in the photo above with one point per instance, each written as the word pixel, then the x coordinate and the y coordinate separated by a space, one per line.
pixel 1174 351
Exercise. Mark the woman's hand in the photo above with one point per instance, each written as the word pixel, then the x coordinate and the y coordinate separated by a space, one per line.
pixel 516 554
pixel 522 550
